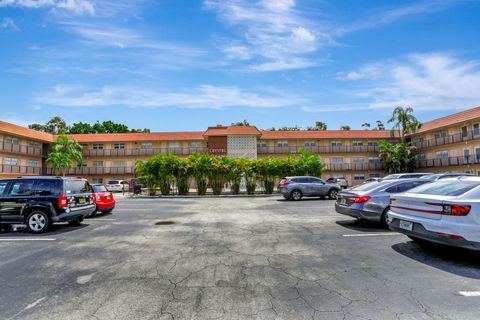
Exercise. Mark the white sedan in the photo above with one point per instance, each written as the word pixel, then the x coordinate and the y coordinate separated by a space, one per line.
pixel 446 211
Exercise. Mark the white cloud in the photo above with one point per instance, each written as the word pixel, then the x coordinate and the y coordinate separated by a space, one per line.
pixel 8 23
pixel 423 81
pixel 76 6
pixel 274 35
pixel 202 97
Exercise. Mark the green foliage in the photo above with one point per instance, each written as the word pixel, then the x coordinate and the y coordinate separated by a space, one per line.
pixel 243 123
pixel 64 152
pixel 215 172
pixel 319 125
pixel 404 121
pixel 399 157
pixel 345 127
pixel 56 125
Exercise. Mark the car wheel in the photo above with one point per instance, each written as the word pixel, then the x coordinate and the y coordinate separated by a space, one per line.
pixel 296 195
pixel 75 222
pixel 332 194
pixel 383 218
pixel 38 222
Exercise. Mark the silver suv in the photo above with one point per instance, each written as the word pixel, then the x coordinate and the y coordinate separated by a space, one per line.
pixel 295 188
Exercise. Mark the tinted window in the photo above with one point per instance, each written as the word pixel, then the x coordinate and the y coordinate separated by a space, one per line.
pixel 46 187
pixel 77 186
pixel 315 180
pixel 113 182
pixel 392 189
pixel 99 188
pixel 367 186
pixel 391 176
pixel 446 188
pixel 408 185
pixel 3 185
pixel 22 188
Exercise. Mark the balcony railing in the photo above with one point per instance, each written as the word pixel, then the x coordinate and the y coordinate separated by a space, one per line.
pixel 20 148
pixel 454 138
pixel 93 171
pixel 448 162
pixel 317 149
pixel 141 152
pixel 14 169
pixel 354 166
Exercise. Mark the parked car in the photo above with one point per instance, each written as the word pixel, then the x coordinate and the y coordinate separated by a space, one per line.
pixel 103 199
pixel 405 175
pixel 295 188
pixel 445 211
pixel 371 201
pixel 446 175
pixel 117 185
pixel 372 180
pixel 38 202
pixel 342 182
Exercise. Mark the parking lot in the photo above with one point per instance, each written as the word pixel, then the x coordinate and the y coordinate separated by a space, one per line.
pixel 232 258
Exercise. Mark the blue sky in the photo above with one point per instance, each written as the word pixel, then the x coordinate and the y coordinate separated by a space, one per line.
pixel 184 65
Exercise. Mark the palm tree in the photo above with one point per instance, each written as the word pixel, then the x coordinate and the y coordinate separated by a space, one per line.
pixel 380 125
pixel 404 121
pixel 64 152
pixel 366 125
pixel 345 127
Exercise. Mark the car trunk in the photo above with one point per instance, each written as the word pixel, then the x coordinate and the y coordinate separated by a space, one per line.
pixel 418 205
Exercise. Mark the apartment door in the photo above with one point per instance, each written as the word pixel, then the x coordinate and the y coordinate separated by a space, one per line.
pixel 466 156
pixel 477 155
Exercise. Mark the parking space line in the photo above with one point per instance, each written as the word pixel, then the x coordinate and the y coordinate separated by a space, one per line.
pixel 373 234
pixel 27 239
pixel 470 293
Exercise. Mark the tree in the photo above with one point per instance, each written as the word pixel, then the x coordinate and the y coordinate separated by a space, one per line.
pixel 345 127
pixel 399 157
pixel 319 125
pixel 380 125
pixel 366 126
pixel 243 123
pixel 56 125
pixel 294 128
pixel 64 152
pixel 404 121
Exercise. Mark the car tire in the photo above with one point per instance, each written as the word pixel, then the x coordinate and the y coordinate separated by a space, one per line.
pixel 38 221
pixel 332 194
pixel 383 218
pixel 76 222
pixel 296 195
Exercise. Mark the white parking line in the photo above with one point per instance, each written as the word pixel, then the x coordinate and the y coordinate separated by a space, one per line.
pixel 373 234
pixel 27 239
pixel 470 293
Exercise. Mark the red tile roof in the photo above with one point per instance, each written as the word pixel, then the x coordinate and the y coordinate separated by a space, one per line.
pixel 456 118
pixel 232 130
pixel 326 134
pixel 16 130
pixel 125 137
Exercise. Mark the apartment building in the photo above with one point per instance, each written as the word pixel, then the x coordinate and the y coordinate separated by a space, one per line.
pixel 450 143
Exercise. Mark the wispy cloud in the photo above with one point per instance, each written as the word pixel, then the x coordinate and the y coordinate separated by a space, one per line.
pixel 8 23
pixel 202 97
pixel 423 81
pixel 75 6
pixel 274 34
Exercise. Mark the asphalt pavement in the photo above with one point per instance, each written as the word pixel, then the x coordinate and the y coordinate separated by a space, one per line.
pixel 232 258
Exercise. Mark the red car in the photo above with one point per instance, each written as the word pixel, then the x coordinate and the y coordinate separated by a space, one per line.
pixel 102 198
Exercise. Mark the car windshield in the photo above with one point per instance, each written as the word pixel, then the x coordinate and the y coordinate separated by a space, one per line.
pixel 99 188
pixel 113 182
pixel 446 188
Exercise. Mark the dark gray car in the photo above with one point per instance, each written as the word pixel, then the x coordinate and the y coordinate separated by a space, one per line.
pixel 295 188
pixel 371 201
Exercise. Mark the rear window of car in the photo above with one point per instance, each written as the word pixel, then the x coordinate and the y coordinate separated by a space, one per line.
pixel 99 189
pixel 77 186
pixel 391 176
pixel 446 188
pixel 113 182
pixel 47 187
pixel 367 186
pixel 3 185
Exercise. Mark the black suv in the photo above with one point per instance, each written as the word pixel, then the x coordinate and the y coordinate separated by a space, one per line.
pixel 38 202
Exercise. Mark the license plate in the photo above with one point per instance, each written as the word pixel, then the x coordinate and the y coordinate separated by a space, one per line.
pixel 406 225
pixel 107 197
pixel 343 201
pixel 81 200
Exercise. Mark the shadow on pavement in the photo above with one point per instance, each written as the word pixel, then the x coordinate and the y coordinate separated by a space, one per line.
pixel 59 228
pixel 362 225
pixel 461 262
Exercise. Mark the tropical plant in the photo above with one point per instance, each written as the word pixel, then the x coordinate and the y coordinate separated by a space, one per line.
pixel 56 125
pixel 404 121
pixel 145 171
pixel 319 125
pixel 200 163
pixel 182 171
pixel 250 174
pixel 243 123
pixel 380 125
pixel 345 127
pixel 64 152
pixel 366 126
pixel 399 157
pixel 235 170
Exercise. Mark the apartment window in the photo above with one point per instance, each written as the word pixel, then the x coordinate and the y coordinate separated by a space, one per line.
pixel 146 145
pixel 34 144
pixel 464 132
pixel 468 171
pixel 441 154
pixel 357 159
pixel 373 143
pixel 421 156
pixel 282 143
pixel 174 144
pixel 359 176
pixel 32 163
pixel 373 159
pixel 10 161
pixel 374 175
pixel 119 146
pixel 12 140
pixel 97 163
pixel 97 180
pixel 476 129
pixel 357 143
pixel 466 153
pixel 97 146
pixel 195 144
pixel 440 134
pixel 309 144
pixel 261 144
pixel 118 163
pixel 337 160
pixel 81 164
pixel 417 139
pixel 336 143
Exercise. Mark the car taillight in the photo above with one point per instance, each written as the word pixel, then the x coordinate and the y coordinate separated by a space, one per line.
pixel 359 199
pixel 456 209
pixel 63 202
pixel 451 236
pixel 284 183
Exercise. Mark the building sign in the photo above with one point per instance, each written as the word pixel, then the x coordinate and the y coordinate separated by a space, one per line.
pixel 217 145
